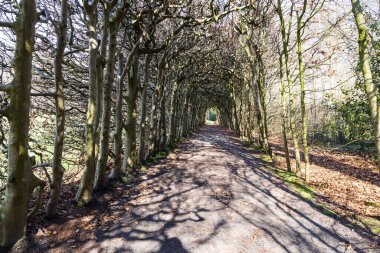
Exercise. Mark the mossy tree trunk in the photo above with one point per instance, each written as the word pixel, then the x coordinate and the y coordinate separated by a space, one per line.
pixel 300 26
pixel 118 144
pixel 365 66
pixel 101 63
pixel 180 113
pixel 261 90
pixel 58 169
pixel 144 94
pixel 173 112
pixel 235 112
pixel 177 115
pixel 130 157
pixel 250 125
pixel 122 164
pixel 20 180
pixel 152 148
pixel 285 42
pixel 85 191
pixel 162 140
pixel 100 179
pixel 285 119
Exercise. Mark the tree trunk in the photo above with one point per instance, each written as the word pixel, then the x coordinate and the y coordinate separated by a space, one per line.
pixel 152 148
pixel 284 115
pixel 100 179
pixel 20 180
pixel 172 115
pixel 118 143
pixel 101 63
pixel 365 66
pixel 163 134
pixel 176 119
pixel 262 103
pixel 303 107
pixel 185 115
pixel 141 149
pixel 129 163
pixel 237 125
pixel 293 124
pixel 84 194
pixel 58 169
pixel 181 116
pixel 293 129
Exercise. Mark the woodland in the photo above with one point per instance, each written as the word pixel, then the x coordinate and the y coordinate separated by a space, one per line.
pixel 94 92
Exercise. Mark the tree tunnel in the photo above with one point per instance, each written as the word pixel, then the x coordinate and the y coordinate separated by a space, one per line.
pixel 103 86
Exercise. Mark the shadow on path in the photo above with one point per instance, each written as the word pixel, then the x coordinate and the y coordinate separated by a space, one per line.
pixel 214 198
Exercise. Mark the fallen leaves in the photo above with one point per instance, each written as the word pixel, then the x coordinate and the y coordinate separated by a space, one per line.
pixel 345 182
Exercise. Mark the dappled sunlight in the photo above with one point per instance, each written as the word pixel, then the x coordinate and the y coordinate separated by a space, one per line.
pixel 189 126
pixel 217 196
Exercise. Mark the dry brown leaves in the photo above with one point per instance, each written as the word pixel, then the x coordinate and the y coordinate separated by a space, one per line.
pixel 349 184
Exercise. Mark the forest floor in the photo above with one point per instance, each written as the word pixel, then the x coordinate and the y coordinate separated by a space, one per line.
pixel 345 182
pixel 211 194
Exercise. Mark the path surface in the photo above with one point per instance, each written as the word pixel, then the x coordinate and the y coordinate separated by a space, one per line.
pixel 215 198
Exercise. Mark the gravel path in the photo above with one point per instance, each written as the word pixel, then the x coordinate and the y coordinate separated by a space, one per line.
pixel 212 196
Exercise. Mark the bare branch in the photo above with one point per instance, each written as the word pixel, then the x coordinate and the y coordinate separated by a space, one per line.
pixel 6 87
pixel 5 24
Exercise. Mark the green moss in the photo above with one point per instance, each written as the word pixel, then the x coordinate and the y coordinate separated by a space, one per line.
pixel 374 204
pixel 80 203
pixel 370 223
pixel 267 159
pixel 326 210
pixel 296 184
pixel 161 155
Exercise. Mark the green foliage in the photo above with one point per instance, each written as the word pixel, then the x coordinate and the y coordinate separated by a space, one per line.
pixel 355 116
pixel 211 114
pixel 161 155
pixel 350 120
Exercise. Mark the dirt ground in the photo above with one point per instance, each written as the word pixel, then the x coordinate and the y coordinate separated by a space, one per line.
pixel 210 195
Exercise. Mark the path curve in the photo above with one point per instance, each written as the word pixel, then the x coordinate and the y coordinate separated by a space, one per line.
pixel 215 197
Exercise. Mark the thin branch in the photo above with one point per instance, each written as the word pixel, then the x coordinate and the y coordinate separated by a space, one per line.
pixel 41 165
pixel 5 24
pixel 43 94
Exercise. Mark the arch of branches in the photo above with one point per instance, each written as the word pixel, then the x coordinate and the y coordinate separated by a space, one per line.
pixel 85 84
